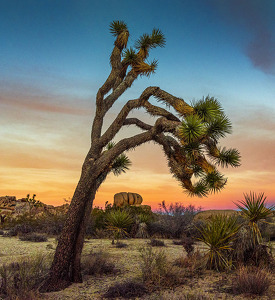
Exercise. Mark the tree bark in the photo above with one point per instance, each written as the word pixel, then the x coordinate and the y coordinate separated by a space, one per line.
pixel 69 245
pixel 76 275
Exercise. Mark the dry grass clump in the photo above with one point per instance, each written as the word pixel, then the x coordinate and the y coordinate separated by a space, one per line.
pixel 192 264
pixel 251 280
pixel 127 289
pixel 157 271
pixel 98 263
pixel 21 280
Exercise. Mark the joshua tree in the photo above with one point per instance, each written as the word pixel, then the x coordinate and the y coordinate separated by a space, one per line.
pixel 188 138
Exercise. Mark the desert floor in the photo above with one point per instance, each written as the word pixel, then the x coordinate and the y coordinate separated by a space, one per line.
pixel 211 285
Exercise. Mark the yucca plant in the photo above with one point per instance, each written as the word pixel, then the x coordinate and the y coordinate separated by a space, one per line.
pixel 218 234
pixel 254 211
pixel 199 133
pixel 119 222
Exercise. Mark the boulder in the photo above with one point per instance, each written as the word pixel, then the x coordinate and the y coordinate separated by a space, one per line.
pixel 123 198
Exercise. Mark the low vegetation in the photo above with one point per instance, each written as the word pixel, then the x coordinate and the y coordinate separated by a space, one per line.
pixel 251 280
pixel 22 279
pixel 151 252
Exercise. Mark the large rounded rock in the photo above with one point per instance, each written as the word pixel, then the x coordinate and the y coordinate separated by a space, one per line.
pixel 123 198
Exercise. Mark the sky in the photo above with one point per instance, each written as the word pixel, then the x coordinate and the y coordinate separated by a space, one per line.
pixel 54 55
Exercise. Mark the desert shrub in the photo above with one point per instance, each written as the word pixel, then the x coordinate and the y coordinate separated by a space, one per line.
pixel 268 232
pixel 97 263
pixel 10 233
pixel 23 228
pixel 127 289
pixel 102 234
pixel 188 244
pixel 121 245
pixel 156 270
pixel 142 231
pixel 246 252
pixel 218 235
pixel 21 280
pixel 192 264
pixel 1 232
pixel 51 224
pixel 156 243
pixel 178 242
pixel 97 221
pixel 173 220
pixel 33 237
pixel 251 280
pixel 25 220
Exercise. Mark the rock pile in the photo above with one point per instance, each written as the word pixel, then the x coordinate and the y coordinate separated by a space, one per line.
pixel 12 208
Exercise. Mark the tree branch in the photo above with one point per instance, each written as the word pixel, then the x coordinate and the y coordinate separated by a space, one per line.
pixel 138 123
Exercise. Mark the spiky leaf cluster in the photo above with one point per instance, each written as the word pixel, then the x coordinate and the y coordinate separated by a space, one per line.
pixel 207 109
pixel 121 164
pixel 253 210
pixel 199 134
pixel 218 234
pixel 228 157
pixel 146 41
pixel 118 27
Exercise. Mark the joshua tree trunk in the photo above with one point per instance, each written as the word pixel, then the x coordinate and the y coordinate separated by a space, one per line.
pixel 68 248
pixel 187 144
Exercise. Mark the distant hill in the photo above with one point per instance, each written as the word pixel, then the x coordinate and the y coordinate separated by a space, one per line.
pixel 206 214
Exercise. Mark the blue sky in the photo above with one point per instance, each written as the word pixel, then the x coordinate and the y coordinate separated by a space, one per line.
pixel 54 56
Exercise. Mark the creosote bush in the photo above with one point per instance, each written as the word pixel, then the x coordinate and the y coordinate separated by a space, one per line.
pixel 128 289
pixel 97 263
pixel 173 220
pixel 251 280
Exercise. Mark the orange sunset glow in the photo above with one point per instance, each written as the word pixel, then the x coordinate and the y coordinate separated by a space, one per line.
pixel 53 64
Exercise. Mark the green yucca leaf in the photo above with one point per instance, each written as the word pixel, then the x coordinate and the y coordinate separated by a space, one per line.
pixel 200 190
pixel 146 41
pixel 198 171
pixel 192 149
pixel 215 181
pixel 117 27
pixel 191 129
pixel 154 65
pixel 119 218
pixel 110 145
pixel 229 157
pixel 129 56
pixel 119 222
pixel 121 164
pixel 219 127
pixel 254 211
pixel 207 109
pixel 157 38
pixel 218 235
pixel 143 42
